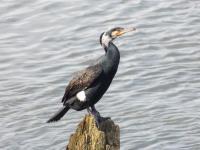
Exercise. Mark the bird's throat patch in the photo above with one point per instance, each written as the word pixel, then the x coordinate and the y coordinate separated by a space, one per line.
pixel 106 39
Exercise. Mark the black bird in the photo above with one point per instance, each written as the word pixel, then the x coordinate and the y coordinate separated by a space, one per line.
pixel 89 85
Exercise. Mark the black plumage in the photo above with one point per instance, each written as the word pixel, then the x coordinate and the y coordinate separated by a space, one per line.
pixel 83 80
pixel 89 85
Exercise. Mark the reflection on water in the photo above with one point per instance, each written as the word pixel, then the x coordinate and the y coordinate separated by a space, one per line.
pixel 154 97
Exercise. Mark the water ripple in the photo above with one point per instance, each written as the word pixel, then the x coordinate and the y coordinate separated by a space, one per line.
pixel 155 95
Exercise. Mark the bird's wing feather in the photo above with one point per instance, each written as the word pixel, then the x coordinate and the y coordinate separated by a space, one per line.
pixel 83 80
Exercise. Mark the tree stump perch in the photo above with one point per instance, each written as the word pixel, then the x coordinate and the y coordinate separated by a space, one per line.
pixel 89 137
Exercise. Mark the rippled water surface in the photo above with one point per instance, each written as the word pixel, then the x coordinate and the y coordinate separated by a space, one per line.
pixel 155 96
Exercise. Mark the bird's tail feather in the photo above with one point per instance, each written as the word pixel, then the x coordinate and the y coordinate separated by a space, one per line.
pixel 59 114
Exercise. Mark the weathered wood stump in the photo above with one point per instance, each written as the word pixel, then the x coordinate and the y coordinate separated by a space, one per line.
pixel 89 137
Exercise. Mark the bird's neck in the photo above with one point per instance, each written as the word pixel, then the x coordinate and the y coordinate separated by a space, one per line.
pixel 112 52
pixel 112 58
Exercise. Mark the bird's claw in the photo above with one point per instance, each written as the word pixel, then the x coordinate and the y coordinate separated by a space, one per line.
pixel 99 120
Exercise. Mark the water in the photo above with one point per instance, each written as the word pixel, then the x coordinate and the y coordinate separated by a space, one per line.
pixel 155 94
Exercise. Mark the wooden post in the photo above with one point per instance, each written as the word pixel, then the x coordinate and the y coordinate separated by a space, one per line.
pixel 89 137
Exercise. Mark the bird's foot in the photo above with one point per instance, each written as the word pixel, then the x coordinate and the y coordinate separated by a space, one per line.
pixel 99 119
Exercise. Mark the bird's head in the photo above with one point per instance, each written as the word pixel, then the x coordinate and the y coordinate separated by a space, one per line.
pixel 112 34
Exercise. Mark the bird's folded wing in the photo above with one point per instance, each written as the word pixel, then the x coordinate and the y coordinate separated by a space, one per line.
pixel 83 80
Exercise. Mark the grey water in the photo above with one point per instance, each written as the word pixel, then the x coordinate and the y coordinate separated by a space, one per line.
pixel 154 98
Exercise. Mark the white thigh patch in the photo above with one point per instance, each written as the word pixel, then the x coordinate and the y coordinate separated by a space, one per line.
pixel 81 96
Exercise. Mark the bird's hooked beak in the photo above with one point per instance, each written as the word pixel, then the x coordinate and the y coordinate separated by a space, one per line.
pixel 122 31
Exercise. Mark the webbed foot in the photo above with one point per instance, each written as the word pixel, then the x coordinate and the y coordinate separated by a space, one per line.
pixel 97 116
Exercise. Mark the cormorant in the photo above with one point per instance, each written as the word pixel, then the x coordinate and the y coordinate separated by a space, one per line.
pixel 89 85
